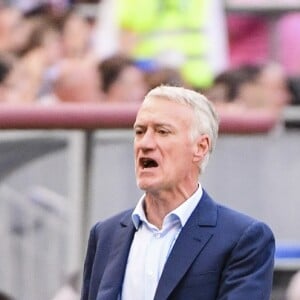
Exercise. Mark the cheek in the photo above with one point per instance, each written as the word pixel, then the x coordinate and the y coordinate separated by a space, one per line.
pixel 183 157
pixel 135 151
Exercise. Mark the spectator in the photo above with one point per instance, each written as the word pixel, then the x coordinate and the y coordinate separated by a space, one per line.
pixel 29 76
pixel 166 76
pixel 188 35
pixel 123 81
pixel 13 30
pixel 77 37
pixel 76 82
pixel 228 84
pixel 252 87
pixel 274 81
pixel 236 89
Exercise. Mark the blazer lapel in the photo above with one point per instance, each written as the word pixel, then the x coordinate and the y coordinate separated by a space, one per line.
pixel 112 279
pixel 195 235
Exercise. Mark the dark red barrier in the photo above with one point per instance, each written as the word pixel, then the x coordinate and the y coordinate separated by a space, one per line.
pixel 67 116
pixel 96 116
pixel 248 122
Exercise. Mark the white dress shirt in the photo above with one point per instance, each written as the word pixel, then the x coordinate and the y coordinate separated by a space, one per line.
pixel 151 247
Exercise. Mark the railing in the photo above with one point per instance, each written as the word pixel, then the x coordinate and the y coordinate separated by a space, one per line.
pixel 91 117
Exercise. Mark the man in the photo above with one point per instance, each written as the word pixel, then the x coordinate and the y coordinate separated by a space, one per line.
pixel 177 243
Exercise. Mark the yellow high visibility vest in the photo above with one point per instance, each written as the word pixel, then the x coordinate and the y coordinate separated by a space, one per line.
pixel 171 26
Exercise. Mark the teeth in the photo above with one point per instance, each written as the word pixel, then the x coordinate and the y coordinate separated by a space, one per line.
pixel 145 162
pixel 148 163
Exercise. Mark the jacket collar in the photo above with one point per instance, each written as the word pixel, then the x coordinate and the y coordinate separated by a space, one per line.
pixel 112 279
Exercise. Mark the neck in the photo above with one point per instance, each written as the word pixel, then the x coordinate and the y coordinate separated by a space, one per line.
pixel 158 205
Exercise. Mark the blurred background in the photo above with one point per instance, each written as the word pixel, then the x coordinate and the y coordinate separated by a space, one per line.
pixel 72 76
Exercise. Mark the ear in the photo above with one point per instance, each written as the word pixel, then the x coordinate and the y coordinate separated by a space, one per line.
pixel 201 147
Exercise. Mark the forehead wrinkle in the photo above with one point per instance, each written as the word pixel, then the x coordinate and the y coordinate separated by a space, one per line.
pixel 153 124
pixel 151 115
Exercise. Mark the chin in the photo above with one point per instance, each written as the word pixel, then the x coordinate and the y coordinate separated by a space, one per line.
pixel 145 185
pixel 142 185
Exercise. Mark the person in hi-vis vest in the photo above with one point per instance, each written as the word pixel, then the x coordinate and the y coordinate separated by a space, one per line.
pixel 187 35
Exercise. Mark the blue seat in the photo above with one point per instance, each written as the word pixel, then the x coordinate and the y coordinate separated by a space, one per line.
pixel 288 251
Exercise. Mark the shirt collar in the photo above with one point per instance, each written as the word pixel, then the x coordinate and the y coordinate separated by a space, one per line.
pixel 182 212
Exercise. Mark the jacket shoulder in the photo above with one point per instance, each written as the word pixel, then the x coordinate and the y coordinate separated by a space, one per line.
pixel 109 224
pixel 234 220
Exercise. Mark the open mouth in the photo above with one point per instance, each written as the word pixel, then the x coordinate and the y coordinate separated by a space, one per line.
pixel 148 163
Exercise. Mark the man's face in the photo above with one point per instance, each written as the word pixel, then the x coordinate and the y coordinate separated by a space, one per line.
pixel 164 152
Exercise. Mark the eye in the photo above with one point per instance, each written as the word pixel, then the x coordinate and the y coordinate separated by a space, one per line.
pixel 138 131
pixel 162 132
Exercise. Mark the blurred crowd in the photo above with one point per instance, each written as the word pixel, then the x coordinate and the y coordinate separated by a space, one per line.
pixel 47 56
pixel 50 53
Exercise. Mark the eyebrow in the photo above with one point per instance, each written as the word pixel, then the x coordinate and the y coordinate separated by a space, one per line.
pixel 170 126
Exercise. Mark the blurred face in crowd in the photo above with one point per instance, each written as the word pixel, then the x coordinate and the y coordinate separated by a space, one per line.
pixel 274 83
pixel 76 36
pixel 250 95
pixel 13 29
pixel 218 93
pixel 130 86
pixel 78 82
pixel 166 157
pixel 268 90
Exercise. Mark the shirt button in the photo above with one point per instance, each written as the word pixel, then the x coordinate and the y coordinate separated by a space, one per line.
pixel 150 274
pixel 157 235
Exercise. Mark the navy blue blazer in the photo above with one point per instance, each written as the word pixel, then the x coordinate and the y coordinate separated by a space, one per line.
pixel 219 254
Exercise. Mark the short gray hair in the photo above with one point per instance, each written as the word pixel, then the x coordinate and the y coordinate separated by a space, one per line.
pixel 207 121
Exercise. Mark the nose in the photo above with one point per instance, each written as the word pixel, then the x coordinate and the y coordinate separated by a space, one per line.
pixel 146 141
